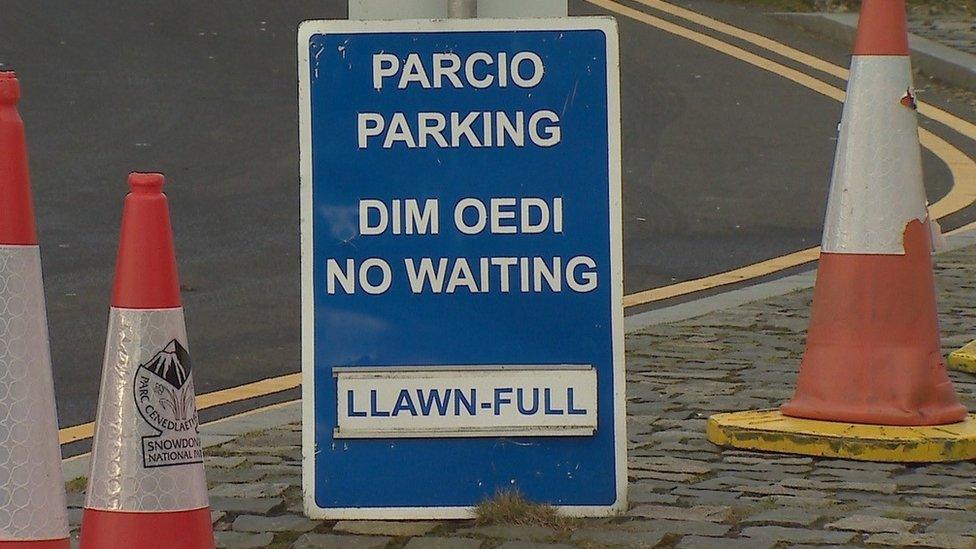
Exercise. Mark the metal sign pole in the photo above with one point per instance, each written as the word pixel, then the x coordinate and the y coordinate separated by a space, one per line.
pixel 462 9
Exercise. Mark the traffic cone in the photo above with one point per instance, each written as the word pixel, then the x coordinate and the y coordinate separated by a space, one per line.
pixel 33 512
pixel 873 352
pixel 147 487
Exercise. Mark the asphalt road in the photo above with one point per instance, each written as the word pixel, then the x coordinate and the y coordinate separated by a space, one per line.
pixel 724 164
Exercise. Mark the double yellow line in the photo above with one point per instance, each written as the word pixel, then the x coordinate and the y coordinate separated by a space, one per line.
pixel 962 194
pixel 209 400
pixel 963 168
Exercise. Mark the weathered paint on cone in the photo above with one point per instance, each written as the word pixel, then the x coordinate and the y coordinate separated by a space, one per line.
pixel 147 487
pixel 872 378
pixel 33 513
pixel 873 352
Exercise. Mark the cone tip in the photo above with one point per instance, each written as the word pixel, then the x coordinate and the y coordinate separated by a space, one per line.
pixel 882 28
pixel 9 88
pixel 146 182
pixel 145 271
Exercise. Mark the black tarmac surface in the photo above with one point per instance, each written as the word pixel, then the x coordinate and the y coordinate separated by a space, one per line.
pixel 724 164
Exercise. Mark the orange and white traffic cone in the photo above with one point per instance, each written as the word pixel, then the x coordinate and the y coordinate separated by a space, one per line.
pixel 147 487
pixel 872 383
pixel 33 512
pixel 873 350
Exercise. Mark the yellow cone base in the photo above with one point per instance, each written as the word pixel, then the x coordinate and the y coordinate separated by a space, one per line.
pixel 771 431
pixel 964 360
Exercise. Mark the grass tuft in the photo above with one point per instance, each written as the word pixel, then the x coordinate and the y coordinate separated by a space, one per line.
pixel 77 484
pixel 509 507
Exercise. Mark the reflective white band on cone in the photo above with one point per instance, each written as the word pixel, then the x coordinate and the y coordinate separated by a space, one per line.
pixel 875 190
pixel 146 456
pixel 31 483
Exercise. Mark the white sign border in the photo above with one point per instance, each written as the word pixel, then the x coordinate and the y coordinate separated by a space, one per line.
pixel 306 30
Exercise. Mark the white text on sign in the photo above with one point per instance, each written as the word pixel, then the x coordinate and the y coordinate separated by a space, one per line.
pixel 444 275
pixel 453 129
pixel 503 215
pixel 466 401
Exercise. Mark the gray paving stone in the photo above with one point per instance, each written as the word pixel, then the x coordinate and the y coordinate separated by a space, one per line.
pixel 941 541
pixel 443 543
pixel 943 503
pixel 900 510
pixel 779 490
pixel 386 527
pixel 510 531
pixel 234 476
pixel 290 480
pixel 669 465
pixel 252 451
pixel 279 468
pixel 860 465
pixel 944 490
pixel 637 496
pixel 521 544
pixel 332 541
pixel 75 499
pixel 919 478
pixel 704 497
pixel 699 542
pixel 250 490
pixel 752 458
pixel 253 506
pixel 798 535
pixel 223 462
pixel 241 540
pixel 259 459
pixel 782 517
pixel 676 527
pixel 215 516
pixel 281 523
pixel 613 537
pixel 656 475
pixel 698 513
pixel 721 482
pixel 947 526
pixel 74 516
pixel 846 485
pixel 867 523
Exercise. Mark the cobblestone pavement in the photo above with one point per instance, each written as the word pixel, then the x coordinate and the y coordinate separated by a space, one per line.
pixel 954 30
pixel 684 492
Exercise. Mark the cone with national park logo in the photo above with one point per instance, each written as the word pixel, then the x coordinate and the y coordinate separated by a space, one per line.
pixel 147 487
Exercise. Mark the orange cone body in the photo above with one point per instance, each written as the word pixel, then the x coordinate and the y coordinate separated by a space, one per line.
pixel 873 352
pixel 147 487
pixel 33 512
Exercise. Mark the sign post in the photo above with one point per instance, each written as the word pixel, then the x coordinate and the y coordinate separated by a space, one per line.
pixel 462 9
pixel 461 266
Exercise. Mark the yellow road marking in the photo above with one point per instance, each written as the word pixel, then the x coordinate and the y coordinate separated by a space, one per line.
pixel 963 168
pixel 721 279
pixel 208 400
pixel 943 117
pixel 751 37
pixel 214 422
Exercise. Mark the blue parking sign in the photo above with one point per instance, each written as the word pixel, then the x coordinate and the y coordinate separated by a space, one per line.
pixel 461 266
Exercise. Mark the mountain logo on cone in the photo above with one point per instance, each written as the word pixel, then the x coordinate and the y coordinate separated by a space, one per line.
pixel 165 398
